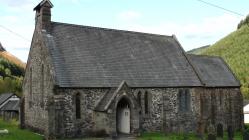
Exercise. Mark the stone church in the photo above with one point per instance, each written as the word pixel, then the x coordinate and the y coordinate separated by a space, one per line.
pixel 85 81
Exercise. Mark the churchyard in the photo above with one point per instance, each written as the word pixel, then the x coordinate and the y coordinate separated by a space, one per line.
pixel 14 133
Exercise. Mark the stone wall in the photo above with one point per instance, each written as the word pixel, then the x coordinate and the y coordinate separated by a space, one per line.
pixel 152 121
pixel 216 105
pixel 225 104
pixel 91 122
pixel 220 106
pixel 164 114
pixel 36 95
pixel 67 125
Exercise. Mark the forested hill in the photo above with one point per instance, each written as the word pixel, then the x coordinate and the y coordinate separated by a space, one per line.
pixel 234 49
pixel 11 72
pixel 8 56
pixel 198 51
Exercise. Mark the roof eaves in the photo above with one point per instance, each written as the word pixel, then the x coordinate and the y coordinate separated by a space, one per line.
pixel 239 84
pixel 9 96
pixel 123 83
pixel 45 37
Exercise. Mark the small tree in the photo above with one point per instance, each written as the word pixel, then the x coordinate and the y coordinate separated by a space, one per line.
pixel 240 24
pixel 247 19
pixel 243 22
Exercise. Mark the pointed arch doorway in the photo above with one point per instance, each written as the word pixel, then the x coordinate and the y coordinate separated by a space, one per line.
pixel 123 116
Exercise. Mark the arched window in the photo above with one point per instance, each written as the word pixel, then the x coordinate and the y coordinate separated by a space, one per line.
pixel 187 100
pixel 184 100
pixel 202 105
pixel 42 85
pixel 146 103
pixel 77 106
pixel 30 84
pixel 30 88
pixel 139 98
pixel 220 97
pixel 181 99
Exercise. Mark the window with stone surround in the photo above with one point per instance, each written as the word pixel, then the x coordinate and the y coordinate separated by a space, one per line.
pixel 220 98
pixel 184 100
pixel 30 87
pixel 146 103
pixel 77 106
pixel 139 98
pixel 42 85
pixel 202 105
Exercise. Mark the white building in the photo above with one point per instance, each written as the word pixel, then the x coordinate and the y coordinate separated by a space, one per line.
pixel 246 113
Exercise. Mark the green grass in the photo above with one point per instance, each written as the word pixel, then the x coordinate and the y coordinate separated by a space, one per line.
pixel 15 133
pixel 160 136
pixel 199 50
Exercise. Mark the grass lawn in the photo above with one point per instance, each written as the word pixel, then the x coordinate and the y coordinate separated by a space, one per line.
pixel 159 136
pixel 15 133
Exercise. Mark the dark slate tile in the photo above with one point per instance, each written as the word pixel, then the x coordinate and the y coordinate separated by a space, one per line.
pixel 97 57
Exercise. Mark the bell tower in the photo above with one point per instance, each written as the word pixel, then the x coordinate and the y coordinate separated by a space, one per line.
pixel 43 15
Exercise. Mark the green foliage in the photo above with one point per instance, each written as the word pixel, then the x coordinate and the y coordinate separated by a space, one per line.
pixel 11 68
pixel 240 24
pixel 9 85
pixel 15 133
pixel 246 127
pixel 198 51
pixel 234 49
pixel 11 77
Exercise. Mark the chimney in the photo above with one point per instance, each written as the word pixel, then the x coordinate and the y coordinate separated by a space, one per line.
pixel 43 15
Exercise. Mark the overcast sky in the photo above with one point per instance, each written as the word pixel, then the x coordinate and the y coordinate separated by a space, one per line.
pixel 194 23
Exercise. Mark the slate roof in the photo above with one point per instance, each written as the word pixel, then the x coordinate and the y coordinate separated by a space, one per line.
pixel 42 3
pixel 109 96
pixel 105 100
pixel 4 97
pixel 213 71
pixel 96 57
pixel 12 105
